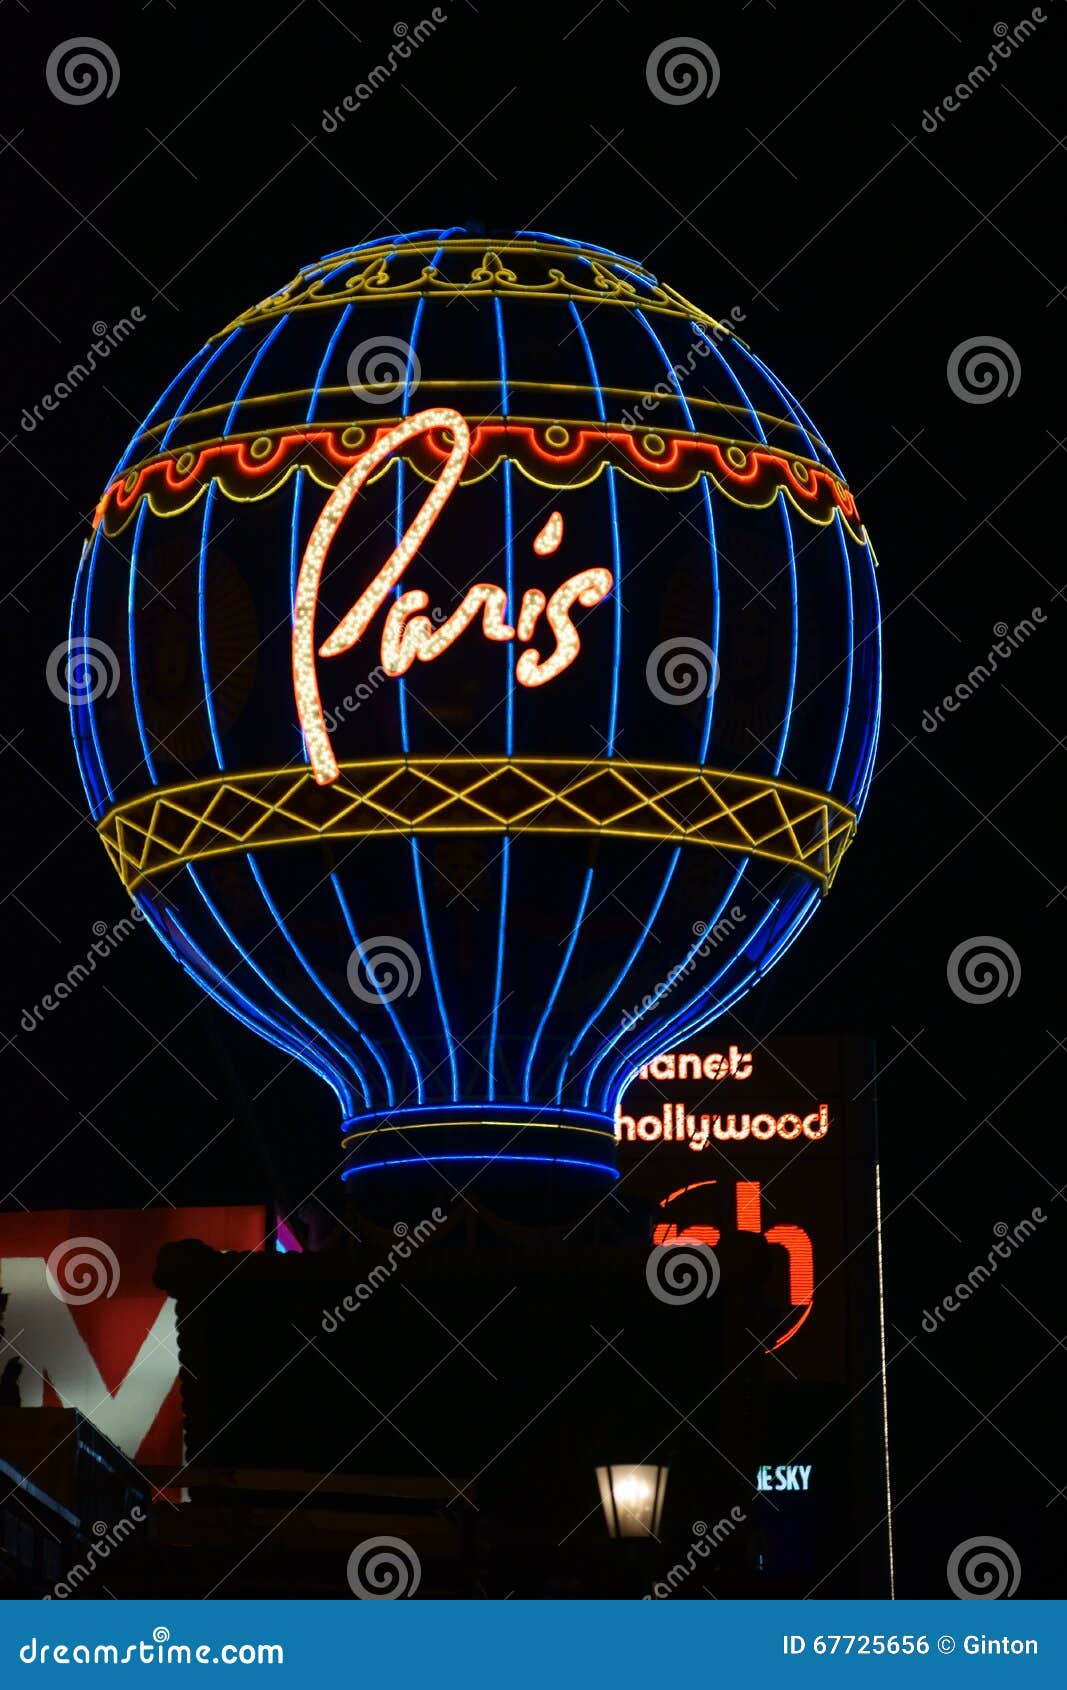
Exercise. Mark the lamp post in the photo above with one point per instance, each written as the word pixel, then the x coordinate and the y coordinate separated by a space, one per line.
pixel 632 1499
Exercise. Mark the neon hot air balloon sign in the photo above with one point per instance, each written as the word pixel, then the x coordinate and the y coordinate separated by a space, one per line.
pixel 545 834
pixel 407 634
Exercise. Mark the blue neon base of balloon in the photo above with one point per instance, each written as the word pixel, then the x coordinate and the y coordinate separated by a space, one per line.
pixel 547 1140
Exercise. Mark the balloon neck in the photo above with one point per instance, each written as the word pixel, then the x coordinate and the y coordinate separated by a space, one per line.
pixel 524 1142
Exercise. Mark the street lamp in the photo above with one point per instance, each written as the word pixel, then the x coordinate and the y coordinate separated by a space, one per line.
pixel 632 1499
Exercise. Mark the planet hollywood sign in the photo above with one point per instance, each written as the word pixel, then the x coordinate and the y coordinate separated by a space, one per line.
pixel 678 1122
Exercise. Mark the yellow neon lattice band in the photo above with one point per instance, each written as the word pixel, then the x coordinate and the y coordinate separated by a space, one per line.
pixel 755 815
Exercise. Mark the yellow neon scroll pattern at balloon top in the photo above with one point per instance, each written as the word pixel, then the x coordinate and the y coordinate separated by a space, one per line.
pixel 757 816
pixel 445 268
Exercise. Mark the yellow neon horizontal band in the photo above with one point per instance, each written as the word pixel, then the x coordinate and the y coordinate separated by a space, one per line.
pixel 464 384
pixel 606 798
pixel 519 1126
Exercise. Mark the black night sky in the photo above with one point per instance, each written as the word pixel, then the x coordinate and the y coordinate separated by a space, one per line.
pixel 862 250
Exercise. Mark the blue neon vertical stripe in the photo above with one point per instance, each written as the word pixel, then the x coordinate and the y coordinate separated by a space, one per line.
pixel 734 992
pixel 794 405
pixel 784 508
pixel 794 651
pixel 216 742
pixel 688 1005
pixel 280 1036
pixel 416 862
pixel 509 697
pixel 131 608
pixel 623 972
pixel 298 479
pixel 657 1039
pixel 798 420
pixel 201 624
pixel 850 659
pixel 616 540
pixel 616 983
pixel 313 976
pixel 498 984
pixel 247 958
pixel 83 750
pixel 554 994
pixel 434 975
pixel 612 1039
pixel 205 531
pixel 235 1003
pixel 158 406
pixel 800 918
pixel 294 569
pixel 709 342
pixel 387 1002
pixel 85 769
pixel 864 785
pixel 194 386
pixel 709 517
pixel 94 763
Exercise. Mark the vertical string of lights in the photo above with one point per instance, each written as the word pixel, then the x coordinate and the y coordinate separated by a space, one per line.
pixel 184 948
pixel 509 697
pixel 416 862
pixel 608 1042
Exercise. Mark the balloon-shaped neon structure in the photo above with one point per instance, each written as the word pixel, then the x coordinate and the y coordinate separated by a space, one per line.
pixel 499 684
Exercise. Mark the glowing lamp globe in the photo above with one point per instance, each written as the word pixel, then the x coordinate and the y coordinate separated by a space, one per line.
pixel 494 685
